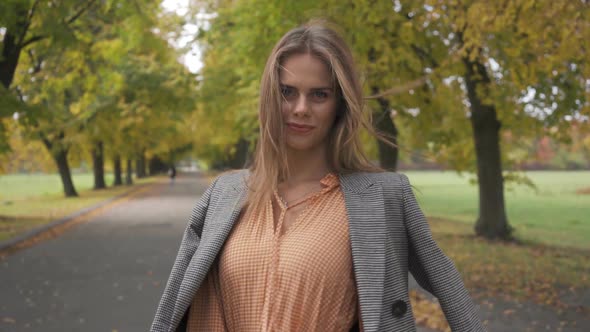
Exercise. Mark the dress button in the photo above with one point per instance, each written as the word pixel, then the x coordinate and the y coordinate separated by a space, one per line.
pixel 399 308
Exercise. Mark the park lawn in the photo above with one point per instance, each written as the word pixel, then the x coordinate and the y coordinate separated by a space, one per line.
pixel 19 186
pixel 28 201
pixel 554 214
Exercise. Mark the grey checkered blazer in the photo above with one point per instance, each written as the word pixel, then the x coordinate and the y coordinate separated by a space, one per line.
pixel 389 237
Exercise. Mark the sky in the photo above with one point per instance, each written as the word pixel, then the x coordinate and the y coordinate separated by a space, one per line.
pixel 192 59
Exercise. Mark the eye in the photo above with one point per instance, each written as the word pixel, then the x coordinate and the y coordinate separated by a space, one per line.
pixel 319 95
pixel 287 91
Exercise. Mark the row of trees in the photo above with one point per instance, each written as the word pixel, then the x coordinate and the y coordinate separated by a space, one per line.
pixel 447 77
pixel 97 77
pixel 454 73
pixel 536 153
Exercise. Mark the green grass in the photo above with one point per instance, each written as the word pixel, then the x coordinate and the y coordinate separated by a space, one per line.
pixel 27 201
pixel 19 186
pixel 554 214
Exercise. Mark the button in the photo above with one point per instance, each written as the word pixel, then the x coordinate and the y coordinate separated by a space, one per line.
pixel 399 308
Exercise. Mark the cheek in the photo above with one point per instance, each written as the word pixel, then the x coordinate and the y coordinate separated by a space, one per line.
pixel 284 107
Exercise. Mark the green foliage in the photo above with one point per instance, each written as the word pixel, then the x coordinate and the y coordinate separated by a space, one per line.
pixel 410 41
pixel 236 47
pixel 98 71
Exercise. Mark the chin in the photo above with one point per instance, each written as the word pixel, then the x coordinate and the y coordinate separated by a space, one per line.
pixel 299 147
pixel 303 146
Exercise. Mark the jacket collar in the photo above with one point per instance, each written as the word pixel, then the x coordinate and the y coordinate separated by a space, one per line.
pixel 353 182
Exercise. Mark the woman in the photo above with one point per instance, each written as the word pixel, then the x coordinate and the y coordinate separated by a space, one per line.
pixel 311 237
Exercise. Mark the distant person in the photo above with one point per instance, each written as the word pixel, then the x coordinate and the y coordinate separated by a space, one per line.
pixel 312 236
pixel 172 174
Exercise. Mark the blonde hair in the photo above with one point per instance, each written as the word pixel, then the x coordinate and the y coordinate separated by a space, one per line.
pixel 269 165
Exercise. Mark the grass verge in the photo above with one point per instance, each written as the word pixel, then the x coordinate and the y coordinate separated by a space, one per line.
pixel 27 212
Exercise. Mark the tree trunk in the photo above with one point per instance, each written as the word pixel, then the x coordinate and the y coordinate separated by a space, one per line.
pixel 129 173
pixel 143 162
pixel 382 121
pixel 240 157
pixel 117 170
pixel 60 156
pixel 156 165
pixel 140 166
pixel 492 222
pixel 10 56
pixel 98 165
pixel 12 45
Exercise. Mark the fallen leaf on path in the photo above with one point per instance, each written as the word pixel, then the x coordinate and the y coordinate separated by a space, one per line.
pixel 8 320
pixel 428 313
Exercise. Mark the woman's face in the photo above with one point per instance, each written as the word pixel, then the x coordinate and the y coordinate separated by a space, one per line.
pixel 309 102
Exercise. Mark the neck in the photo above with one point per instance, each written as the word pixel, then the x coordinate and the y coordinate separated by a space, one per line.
pixel 307 165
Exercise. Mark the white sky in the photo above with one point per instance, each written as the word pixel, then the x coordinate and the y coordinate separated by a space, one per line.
pixel 192 59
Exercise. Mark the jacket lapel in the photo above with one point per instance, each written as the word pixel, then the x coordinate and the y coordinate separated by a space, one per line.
pixel 228 210
pixel 367 228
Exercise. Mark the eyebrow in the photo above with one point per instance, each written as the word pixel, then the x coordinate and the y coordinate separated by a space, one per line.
pixel 312 89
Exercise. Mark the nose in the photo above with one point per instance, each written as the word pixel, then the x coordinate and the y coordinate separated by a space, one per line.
pixel 301 106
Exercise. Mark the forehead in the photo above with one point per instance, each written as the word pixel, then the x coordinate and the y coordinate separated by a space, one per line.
pixel 305 71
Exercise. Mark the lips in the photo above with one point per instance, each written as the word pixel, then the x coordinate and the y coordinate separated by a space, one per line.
pixel 299 128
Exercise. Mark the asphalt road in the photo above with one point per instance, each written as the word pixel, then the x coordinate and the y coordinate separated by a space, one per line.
pixel 106 274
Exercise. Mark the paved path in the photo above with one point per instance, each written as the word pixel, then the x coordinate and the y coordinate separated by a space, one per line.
pixel 106 274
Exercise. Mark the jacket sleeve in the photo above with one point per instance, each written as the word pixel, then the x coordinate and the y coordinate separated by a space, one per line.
pixel 433 270
pixel 188 246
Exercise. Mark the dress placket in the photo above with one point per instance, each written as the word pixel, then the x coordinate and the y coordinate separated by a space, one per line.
pixel 273 263
pixel 275 245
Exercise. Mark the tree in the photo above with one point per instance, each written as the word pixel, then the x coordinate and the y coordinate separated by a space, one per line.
pixel 26 23
pixel 238 43
pixel 24 155
pixel 454 73
pixel 474 65
pixel 505 50
pixel 50 109
pixel 58 84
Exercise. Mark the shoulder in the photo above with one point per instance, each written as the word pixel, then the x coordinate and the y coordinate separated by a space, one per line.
pixel 388 180
pixel 230 180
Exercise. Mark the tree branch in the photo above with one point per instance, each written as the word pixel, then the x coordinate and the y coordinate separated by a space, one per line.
pixel 32 40
pixel 20 95
pixel 46 141
pixel 27 24
pixel 80 12
pixel 396 90
pixel 424 55
pixel 36 62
